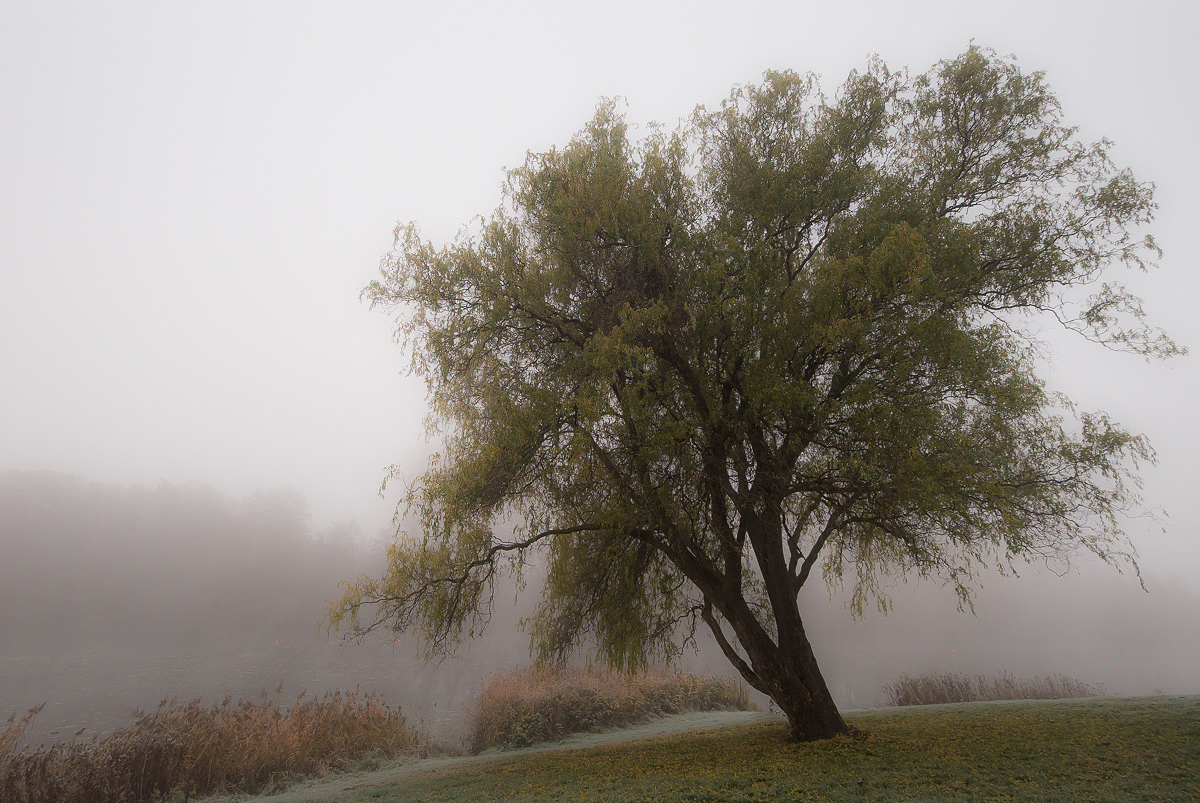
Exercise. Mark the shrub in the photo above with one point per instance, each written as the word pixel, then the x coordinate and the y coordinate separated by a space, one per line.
pixel 196 750
pixel 946 687
pixel 529 705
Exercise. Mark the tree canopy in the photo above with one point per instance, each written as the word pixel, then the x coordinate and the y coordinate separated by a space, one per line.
pixel 793 338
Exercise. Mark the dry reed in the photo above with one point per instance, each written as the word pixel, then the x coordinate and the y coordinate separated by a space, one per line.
pixel 197 750
pixel 946 687
pixel 529 705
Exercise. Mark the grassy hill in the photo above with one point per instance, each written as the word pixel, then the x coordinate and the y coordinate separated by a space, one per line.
pixel 1095 749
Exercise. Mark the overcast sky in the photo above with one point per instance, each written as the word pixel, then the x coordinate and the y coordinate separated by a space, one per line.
pixel 192 196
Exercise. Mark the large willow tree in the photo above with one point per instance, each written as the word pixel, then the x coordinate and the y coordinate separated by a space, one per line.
pixel 791 340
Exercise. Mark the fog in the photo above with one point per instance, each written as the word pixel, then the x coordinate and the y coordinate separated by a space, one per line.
pixel 112 598
pixel 196 410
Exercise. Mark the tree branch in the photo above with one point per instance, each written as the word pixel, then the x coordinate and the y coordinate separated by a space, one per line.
pixel 738 662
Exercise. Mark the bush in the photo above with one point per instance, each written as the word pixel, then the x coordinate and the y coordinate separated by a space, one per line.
pixel 946 687
pixel 530 705
pixel 197 750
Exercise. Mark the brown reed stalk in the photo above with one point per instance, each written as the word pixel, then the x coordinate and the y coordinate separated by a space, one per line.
pixel 528 705
pixel 947 687
pixel 197 750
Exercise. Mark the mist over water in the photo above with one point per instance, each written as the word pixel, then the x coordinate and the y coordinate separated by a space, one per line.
pixel 1097 626
pixel 112 598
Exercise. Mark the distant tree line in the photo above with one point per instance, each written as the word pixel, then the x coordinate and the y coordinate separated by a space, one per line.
pixel 175 566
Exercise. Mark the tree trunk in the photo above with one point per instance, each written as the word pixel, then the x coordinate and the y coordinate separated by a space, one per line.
pixel 787 672
pixel 800 691
pixel 786 664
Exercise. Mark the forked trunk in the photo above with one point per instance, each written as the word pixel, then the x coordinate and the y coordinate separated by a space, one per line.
pixel 802 695
pixel 784 665
pixel 787 672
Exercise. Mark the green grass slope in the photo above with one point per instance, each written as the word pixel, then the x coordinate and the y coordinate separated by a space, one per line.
pixel 1107 749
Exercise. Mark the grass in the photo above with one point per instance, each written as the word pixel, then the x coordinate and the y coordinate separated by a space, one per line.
pixel 946 687
pixel 526 705
pixel 184 750
pixel 1100 749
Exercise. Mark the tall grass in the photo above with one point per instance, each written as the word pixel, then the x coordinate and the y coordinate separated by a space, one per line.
pixel 529 705
pixel 190 749
pixel 947 687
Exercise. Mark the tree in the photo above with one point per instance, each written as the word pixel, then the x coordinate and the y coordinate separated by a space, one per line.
pixel 793 336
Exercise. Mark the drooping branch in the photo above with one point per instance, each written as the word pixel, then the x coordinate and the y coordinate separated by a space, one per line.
pixel 489 557
pixel 400 609
pixel 748 673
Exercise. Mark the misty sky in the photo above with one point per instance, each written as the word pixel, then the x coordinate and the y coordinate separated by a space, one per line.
pixel 192 196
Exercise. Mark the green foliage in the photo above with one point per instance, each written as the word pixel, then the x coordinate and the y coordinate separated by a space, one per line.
pixel 525 706
pixel 947 687
pixel 796 333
